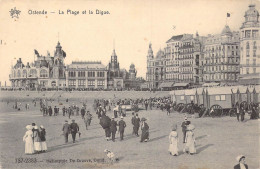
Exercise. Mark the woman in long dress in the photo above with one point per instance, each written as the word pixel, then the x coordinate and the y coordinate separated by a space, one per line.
pixel 173 139
pixel 145 130
pixel 43 138
pixel 37 140
pixel 190 140
pixel 28 139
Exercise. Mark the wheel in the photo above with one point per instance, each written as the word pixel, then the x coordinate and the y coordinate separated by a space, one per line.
pixel 180 106
pixel 232 112
pixel 188 108
pixel 215 110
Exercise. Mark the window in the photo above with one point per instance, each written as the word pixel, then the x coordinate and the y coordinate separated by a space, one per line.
pixel 81 74
pixel 254 70
pixel 100 82
pixel 91 82
pixel 220 97
pixel 255 33
pixel 247 62
pixel 43 73
pixel 33 73
pixel 254 53
pixel 248 34
pixel 247 53
pixel 254 62
pixel 19 73
pixel 100 74
pixel 82 82
pixel 255 47
pixel 247 45
pixel 72 74
pixel 72 82
pixel 91 74
pixel 24 73
pixel 247 70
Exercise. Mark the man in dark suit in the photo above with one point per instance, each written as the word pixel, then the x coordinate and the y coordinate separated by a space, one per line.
pixel 242 163
pixel 136 124
pixel 50 111
pixel 113 128
pixel 55 111
pixel 122 126
pixel 83 112
pixel 74 129
pixel 184 128
pixel 133 122
pixel 66 130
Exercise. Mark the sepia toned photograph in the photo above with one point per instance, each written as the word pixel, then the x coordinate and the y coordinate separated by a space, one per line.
pixel 110 84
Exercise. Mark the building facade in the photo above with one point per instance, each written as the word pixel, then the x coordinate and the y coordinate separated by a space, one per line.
pixel 222 57
pixel 155 68
pixel 86 75
pixel 45 72
pixel 250 42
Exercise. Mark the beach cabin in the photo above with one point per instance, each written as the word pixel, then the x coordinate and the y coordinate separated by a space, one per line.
pixel 172 94
pixel 221 96
pixel 180 96
pixel 190 95
pixel 242 93
pixel 199 96
pixel 256 96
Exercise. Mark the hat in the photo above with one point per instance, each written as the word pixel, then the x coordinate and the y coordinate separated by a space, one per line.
pixel 35 127
pixel 112 117
pixel 174 127
pixel 42 126
pixel 190 127
pixel 29 127
pixel 143 119
pixel 33 124
pixel 106 150
pixel 240 157
pixel 122 117
pixel 66 120
pixel 185 118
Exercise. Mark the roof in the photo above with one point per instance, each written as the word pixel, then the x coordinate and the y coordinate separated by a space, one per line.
pixel 181 84
pixel 166 84
pixel 86 65
pixel 226 30
pixel 219 90
pixel 175 38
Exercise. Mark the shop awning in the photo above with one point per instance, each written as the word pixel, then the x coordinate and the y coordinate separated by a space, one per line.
pixel 210 84
pixel 180 84
pixel 166 84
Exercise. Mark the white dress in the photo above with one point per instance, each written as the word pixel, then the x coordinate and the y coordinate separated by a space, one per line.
pixel 190 142
pixel 173 139
pixel 27 138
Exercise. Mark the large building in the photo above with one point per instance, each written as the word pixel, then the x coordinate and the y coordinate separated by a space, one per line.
pixel 46 71
pixel 250 44
pixel 222 57
pixel 86 75
pixel 155 68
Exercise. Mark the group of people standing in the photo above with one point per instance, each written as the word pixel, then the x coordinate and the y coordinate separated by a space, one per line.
pixel 188 139
pixel 35 139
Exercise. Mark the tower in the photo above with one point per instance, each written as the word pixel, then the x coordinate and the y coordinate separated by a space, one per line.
pixel 249 42
pixel 58 62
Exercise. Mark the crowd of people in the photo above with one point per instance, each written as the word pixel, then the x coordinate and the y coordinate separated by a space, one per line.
pixel 35 139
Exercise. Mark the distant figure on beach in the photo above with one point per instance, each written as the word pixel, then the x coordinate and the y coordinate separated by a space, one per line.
pixel 74 130
pixel 190 140
pixel 28 139
pixel 145 130
pixel 173 139
pixel 66 131
pixel 37 140
pixel 113 128
pixel 43 138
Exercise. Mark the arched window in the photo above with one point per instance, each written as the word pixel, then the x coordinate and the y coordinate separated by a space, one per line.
pixel 247 45
pixel 18 73
pixel 32 73
pixel 24 73
pixel 43 73
pixel 255 45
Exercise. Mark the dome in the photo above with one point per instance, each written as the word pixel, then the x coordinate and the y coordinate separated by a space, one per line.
pixel 132 66
pixel 252 11
pixel 160 54
pixel 226 31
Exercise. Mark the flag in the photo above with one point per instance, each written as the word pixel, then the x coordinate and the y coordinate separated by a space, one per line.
pixel 36 52
pixel 228 15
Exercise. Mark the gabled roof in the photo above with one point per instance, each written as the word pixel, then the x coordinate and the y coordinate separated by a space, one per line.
pixel 175 38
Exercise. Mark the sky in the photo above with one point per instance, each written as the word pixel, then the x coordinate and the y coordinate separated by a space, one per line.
pixel 129 28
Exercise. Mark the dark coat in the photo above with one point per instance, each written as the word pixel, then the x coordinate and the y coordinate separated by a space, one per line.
pixel 113 126
pixel 238 166
pixel 137 122
pixel 74 127
pixel 121 125
pixel 42 135
pixel 66 128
